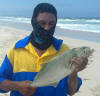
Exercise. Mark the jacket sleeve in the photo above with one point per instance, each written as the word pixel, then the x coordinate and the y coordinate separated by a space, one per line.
pixel 6 70
pixel 79 83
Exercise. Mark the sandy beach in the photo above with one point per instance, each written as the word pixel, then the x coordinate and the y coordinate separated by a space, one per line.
pixel 90 76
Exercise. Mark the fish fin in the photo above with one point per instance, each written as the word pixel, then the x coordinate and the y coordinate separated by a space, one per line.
pixel 54 84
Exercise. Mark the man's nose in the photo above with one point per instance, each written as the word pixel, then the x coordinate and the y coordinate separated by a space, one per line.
pixel 47 27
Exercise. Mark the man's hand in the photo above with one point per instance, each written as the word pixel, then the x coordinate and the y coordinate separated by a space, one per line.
pixel 72 80
pixel 79 64
pixel 25 88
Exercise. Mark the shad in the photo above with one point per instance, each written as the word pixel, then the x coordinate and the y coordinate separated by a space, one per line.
pixel 59 67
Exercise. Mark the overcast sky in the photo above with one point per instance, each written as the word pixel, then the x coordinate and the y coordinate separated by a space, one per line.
pixel 65 8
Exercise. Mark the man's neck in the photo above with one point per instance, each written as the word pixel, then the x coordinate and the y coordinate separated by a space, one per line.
pixel 39 52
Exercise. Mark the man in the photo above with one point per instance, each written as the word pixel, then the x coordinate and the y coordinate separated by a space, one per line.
pixel 24 60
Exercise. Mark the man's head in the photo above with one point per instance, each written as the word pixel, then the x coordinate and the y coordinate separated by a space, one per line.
pixel 43 21
pixel 45 15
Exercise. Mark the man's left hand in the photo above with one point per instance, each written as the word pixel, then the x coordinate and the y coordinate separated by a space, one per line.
pixel 79 64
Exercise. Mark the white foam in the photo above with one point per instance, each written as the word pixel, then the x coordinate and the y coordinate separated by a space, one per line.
pixel 83 24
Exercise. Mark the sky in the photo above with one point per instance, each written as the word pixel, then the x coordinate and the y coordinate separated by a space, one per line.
pixel 65 8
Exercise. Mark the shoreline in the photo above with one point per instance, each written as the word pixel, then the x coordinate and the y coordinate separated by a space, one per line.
pixel 90 78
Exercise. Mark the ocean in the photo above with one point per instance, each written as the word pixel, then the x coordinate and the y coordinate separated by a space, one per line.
pixel 81 24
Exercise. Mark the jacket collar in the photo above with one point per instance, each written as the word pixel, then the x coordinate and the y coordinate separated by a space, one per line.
pixel 23 42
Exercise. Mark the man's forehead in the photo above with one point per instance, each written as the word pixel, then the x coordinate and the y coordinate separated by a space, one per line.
pixel 46 16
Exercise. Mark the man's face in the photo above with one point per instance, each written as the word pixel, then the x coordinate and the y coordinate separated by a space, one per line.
pixel 46 20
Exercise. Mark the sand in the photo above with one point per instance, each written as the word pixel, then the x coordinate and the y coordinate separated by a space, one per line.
pixel 90 76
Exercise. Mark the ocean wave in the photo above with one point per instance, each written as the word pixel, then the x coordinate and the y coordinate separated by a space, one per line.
pixel 65 20
pixel 79 21
pixel 81 27
pixel 16 19
pixel 94 21
pixel 83 24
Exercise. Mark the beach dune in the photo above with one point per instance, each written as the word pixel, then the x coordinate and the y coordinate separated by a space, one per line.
pixel 90 76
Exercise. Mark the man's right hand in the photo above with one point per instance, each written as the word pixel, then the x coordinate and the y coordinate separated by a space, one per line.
pixel 25 88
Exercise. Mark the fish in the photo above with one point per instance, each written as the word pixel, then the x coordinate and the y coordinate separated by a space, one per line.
pixel 59 67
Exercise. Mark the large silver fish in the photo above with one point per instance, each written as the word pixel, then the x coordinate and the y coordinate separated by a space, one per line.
pixel 59 67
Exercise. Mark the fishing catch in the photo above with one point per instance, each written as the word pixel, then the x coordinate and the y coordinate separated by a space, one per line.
pixel 60 67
